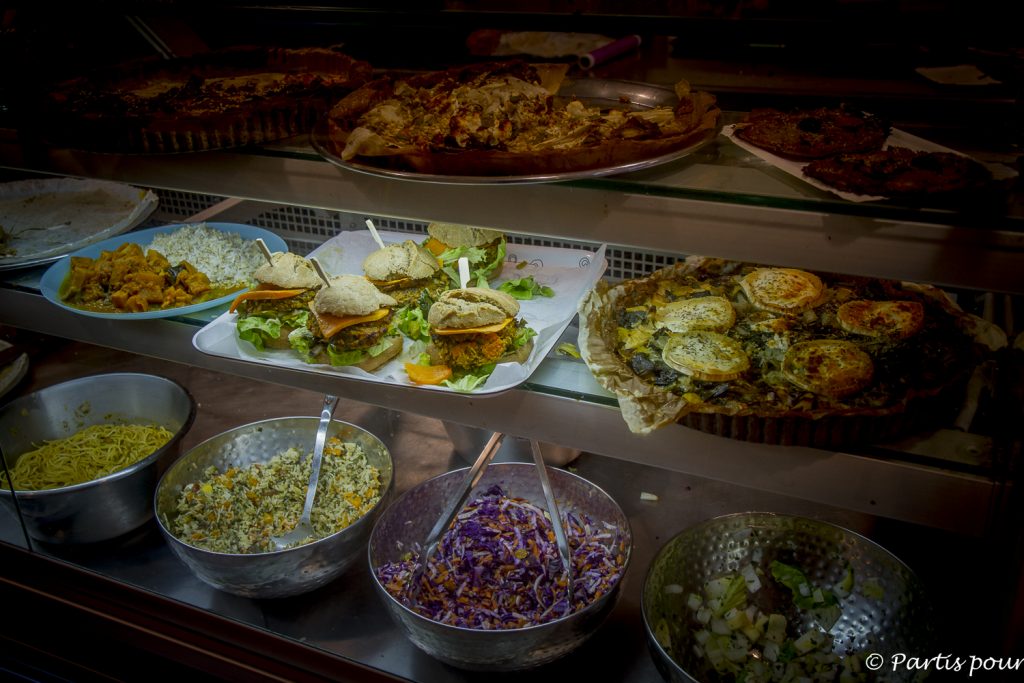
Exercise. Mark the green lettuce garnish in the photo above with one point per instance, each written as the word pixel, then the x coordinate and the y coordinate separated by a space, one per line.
pixel 351 357
pixel 468 383
pixel 257 330
pixel 411 322
pixel 523 335
pixel 302 341
pixel 525 288
pixel 479 268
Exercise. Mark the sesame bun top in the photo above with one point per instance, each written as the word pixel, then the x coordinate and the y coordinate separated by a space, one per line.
pixel 350 295
pixel 288 271
pixel 471 307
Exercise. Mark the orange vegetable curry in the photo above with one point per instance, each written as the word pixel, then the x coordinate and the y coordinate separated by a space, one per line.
pixel 127 280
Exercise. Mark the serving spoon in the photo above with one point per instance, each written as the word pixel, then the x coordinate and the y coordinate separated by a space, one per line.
pixel 304 529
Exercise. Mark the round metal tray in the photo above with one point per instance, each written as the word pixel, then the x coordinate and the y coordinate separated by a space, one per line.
pixel 593 92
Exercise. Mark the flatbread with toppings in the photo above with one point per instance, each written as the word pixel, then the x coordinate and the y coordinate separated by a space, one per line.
pixel 504 119
pixel 778 355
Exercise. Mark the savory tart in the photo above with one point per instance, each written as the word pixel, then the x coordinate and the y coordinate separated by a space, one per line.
pixel 900 172
pixel 813 133
pixel 227 98
pixel 777 355
pixel 504 119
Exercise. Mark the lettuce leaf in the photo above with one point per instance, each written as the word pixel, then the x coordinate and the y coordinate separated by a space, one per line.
pixel 479 267
pixel 353 356
pixel 525 288
pixel 468 383
pixel 411 322
pixel 256 330
pixel 523 335
pixel 303 343
pixel 350 357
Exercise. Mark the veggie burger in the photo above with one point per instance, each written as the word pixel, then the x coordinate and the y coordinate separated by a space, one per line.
pixel 405 270
pixel 483 248
pixel 350 325
pixel 279 303
pixel 474 327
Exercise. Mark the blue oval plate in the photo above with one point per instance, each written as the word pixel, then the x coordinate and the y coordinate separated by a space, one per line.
pixel 50 283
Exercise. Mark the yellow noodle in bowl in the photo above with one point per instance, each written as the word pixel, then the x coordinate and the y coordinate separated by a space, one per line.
pixel 88 454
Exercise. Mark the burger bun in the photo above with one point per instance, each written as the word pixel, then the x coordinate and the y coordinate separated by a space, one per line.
pixel 288 271
pixel 471 307
pixel 455 235
pixel 401 260
pixel 350 295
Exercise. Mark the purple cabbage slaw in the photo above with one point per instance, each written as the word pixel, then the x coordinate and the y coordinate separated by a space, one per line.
pixel 498 566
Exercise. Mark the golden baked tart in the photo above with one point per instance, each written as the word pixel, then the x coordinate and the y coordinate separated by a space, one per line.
pixel 226 98
pixel 778 355
pixel 505 119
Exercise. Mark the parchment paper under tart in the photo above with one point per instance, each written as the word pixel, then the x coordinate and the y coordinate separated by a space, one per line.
pixel 646 407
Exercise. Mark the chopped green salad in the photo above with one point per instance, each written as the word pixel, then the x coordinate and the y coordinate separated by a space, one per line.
pixel 744 643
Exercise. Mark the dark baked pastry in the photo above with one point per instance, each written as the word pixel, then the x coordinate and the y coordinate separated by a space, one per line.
pixel 898 171
pixel 813 133
pixel 227 98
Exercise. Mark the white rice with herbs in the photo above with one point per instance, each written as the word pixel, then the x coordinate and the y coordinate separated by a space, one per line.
pixel 239 511
pixel 226 258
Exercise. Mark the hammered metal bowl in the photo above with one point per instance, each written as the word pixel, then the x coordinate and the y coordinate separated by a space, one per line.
pixel 887 612
pixel 113 505
pixel 408 522
pixel 284 572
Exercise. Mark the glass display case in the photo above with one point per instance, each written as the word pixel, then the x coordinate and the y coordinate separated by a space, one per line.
pixel 944 501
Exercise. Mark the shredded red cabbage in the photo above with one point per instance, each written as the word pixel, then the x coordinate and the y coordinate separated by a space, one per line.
pixel 498 566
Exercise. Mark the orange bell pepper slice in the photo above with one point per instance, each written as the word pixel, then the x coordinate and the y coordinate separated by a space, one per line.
pixel 427 374
pixel 263 295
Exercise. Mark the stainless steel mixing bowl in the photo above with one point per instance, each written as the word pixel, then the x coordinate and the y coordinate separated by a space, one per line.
pixel 107 507
pixel 408 522
pixel 284 572
pixel 887 612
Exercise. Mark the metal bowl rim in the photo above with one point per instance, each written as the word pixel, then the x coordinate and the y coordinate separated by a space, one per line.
pixel 498 632
pixel 306 546
pixel 714 521
pixel 122 473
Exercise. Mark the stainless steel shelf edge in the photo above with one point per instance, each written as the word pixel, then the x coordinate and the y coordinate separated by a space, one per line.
pixel 925 495
pixel 972 256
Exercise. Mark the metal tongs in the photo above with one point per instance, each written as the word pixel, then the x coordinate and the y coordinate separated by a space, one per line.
pixel 458 499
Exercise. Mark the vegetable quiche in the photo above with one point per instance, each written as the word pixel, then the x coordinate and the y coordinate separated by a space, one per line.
pixel 777 355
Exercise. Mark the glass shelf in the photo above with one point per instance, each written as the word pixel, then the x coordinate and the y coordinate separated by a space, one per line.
pixel 718 201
